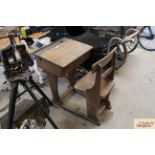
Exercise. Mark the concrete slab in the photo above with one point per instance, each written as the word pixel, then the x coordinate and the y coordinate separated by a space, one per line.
pixel 132 97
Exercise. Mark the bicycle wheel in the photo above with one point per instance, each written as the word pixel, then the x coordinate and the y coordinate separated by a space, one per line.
pixel 121 50
pixel 132 44
pixel 147 38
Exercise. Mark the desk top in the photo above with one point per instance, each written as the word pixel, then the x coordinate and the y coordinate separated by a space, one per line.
pixel 64 53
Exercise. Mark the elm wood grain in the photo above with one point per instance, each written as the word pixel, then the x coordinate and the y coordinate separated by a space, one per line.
pixel 53 81
pixel 66 53
pixel 38 35
pixel 49 67
pixel 71 77
pixel 88 81
pixel 57 70
pixel 97 85
pixel 60 59
pixel 4 43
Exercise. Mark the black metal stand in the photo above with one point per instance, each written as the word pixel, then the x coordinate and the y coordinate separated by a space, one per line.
pixel 13 96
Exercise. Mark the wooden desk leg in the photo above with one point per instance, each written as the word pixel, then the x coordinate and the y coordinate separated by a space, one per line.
pixel 71 77
pixel 54 86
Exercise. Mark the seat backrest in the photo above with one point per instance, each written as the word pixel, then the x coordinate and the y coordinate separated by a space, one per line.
pixel 106 63
pixel 104 69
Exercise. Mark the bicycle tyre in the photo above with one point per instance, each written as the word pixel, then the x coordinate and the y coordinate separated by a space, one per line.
pixel 121 51
pixel 147 40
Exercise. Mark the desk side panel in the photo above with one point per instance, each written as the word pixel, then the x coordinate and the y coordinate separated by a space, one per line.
pixel 49 67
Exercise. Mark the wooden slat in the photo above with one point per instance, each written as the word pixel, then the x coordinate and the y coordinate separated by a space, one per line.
pixel 38 35
pixel 104 61
pixel 107 72
pixel 86 82
pixel 105 88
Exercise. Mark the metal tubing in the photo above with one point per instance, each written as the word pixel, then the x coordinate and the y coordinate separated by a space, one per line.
pixel 12 104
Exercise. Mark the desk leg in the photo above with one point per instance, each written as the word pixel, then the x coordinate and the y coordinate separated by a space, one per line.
pixel 54 86
pixel 71 77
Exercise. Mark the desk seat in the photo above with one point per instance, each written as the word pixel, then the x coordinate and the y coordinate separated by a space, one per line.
pixel 88 81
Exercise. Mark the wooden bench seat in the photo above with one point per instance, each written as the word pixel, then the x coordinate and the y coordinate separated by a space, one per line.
pixel 88 81
pixel 97 85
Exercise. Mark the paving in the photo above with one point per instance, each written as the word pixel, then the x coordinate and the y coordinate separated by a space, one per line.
pixel 132 97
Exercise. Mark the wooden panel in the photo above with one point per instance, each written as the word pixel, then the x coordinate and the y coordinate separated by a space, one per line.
pixel 66 52
pixel 38 35
pixel 58 70
pixel 50 67
pixel 88 82
pixel 4 43
pixel 76 63
pixel 104 61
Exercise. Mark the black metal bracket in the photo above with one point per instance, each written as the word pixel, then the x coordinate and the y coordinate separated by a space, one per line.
pixel 13 96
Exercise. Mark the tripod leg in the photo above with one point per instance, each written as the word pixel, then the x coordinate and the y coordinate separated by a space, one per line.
pixel 42 108
pixel 12 104
pixel 40 91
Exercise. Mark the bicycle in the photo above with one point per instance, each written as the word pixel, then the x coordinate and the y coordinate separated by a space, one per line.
pixel 104 39
pixel 126 44
pixel 143 36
